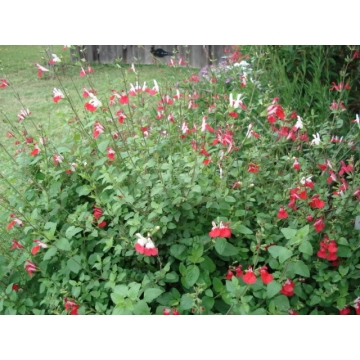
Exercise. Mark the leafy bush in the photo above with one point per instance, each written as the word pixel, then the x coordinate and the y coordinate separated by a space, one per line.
pixel 189 199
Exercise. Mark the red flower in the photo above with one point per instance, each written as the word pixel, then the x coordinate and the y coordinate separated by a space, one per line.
pixel 102 224
pixel 316 202
pixel 340 86
pixel 16 245
pixel 293 312
pixel 296 165
pixel 328 249
pixel 238 271
pixel 110 153
pixel 71 306
pixel 319 224
pixel 145 245
pixel 229 275
pixel 249 277
pixel 167 311
pixel 35 151
pixel 265 276
pixel 3 83
pixel 30 267
pixel 234 114
pixel 58 95
pixel 253 168
pixel 344 311
pixel 97 213
pixel 39 245
pixel 41 69
pixel 282 214
pixel 13 222
pixel 93 104
pixel 288 288
pixel 222 231
pixel 15 287
pixel 345 168
pixel 357 307
pixel 98 129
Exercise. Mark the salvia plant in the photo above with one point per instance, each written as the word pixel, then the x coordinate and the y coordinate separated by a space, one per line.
pixel 211 194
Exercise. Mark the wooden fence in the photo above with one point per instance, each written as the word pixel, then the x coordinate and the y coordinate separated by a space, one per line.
pixel 196 56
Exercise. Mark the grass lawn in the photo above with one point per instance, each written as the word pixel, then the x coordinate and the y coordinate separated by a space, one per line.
pixel 18 68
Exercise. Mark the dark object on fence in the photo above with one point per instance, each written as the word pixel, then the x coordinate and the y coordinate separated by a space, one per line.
pixel 160 53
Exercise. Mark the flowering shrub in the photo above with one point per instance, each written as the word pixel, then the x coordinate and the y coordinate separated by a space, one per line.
pixel 215 198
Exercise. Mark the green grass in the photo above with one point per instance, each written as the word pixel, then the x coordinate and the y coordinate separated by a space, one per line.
pixel 18 67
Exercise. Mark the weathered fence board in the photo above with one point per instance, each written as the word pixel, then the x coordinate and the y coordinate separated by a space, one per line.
pixel 196 56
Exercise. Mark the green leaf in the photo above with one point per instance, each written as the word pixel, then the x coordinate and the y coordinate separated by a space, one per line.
pixel 244 230
pixel 289 233
pixel 192 274
pixel 304 231
pixel 224 248
pixel 284 255
pixel 71 231
pixel 344 251
pixel 178 251
pixel 103 145
pixel 197 250
pixel 230 199
pixel 50 253
pixel 133 290
pixel 276 251
pixel 218 285
pixel 220 245
pixel 273 288
pixel 260 311
pixel 208 265
pixel 74 264
pixel 141 308
pixel 306 247
pixel 116 298
pixel 63 244
pixel 208 303
pixel 83 190
pixel 152 293
pixel 301 269
pixel 282 302
pixel 186 302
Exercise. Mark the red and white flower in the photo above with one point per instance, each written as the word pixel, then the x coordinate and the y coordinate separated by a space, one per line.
pixel 265 276
pixel 296 164
pixel 54 59
pixel 93 104
pixel 14 222
pixel 58 159
pixel 110 154
pixel 41 69
pixel 282 214
pixel 288 288
pixel 39 245
pixel 71 307
pixel 58 95
pixel 3 83
pixel 236 103
pixel 145 245
pixel 23 114
pixel 249 277
pixel 98 129
pixel 30 267
pixel 35 151
pixel 16 245
pixel 222 231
